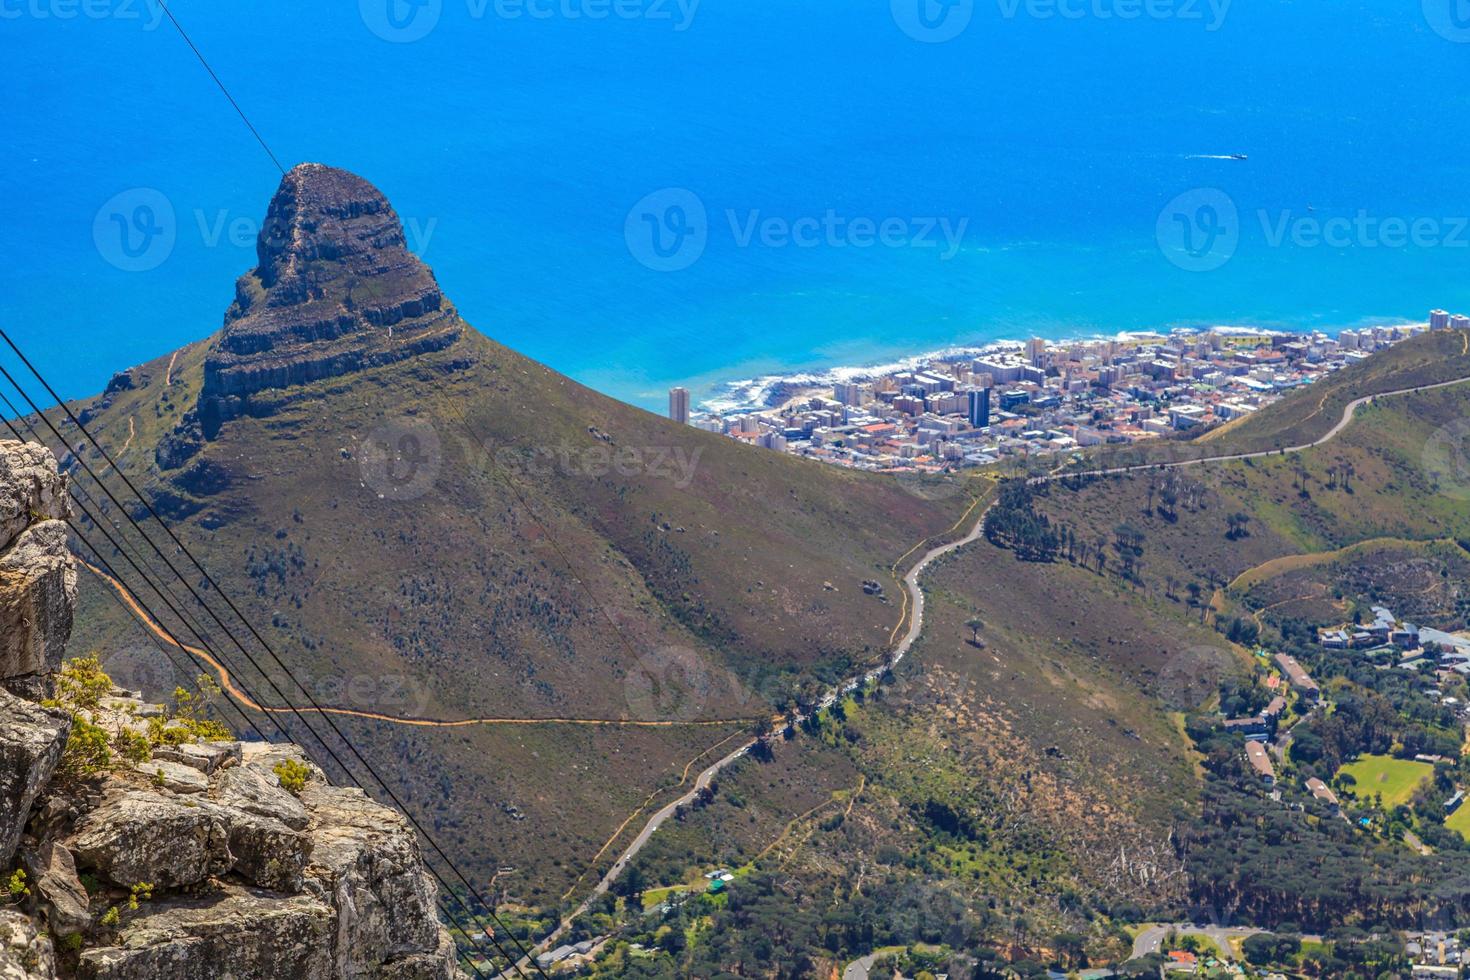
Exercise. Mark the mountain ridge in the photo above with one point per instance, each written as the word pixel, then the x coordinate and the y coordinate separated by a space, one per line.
pixel 450 530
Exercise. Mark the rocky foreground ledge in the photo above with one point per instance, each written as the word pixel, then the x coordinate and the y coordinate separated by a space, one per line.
pixel 133 849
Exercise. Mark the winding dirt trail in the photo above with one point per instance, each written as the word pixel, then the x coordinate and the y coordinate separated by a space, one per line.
pixel 132 434
pixel 227 684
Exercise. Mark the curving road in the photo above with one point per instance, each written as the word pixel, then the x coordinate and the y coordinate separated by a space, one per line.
pixel 915 596
pixel 916 627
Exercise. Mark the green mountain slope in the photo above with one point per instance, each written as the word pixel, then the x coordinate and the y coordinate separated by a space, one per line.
pixel 427 525
pixel 540 611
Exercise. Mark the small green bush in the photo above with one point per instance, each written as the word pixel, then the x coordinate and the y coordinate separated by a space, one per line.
pixel 292 775
pixel 82 684
pixel 86 751
pixel 133 746
pixel 17 888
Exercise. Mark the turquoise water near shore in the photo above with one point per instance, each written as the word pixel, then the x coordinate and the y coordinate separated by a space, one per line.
pixel 515 147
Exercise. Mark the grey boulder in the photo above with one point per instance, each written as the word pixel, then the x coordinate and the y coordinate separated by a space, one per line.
pixel 25 953
pixel 141 837
pixel 241 933
pixel 31 742
pixel 54 882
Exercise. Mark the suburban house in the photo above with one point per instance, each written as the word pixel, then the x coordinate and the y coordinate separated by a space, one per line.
pixel 1255 727
pixel 1261 726
pixel 1297 675
pixel 1255 753
pixel 1324 793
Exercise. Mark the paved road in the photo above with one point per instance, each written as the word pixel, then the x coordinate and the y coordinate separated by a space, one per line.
pixel 915 628
pixel 1151 940
pixel 860 968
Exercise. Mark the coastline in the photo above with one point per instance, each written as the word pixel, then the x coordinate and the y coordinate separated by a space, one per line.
pixel 752 394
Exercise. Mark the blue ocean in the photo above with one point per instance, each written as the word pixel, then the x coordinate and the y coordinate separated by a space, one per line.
pixel 643 193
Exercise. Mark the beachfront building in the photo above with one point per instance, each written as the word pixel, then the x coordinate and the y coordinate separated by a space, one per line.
pixel 679 405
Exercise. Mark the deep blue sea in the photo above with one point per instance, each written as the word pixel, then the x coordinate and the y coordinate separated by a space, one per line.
pixel 643 193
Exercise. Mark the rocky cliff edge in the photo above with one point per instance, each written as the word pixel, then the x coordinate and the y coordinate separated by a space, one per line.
pixel 139 843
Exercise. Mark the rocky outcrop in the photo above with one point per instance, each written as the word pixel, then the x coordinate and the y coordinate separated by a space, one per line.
pixel 371 871
pixel 38 580
pixel 335 291
pixel 26 953
pixel 261 883
pixel 197 862
pixel 237 932
pixel 31 742
pixel 140 837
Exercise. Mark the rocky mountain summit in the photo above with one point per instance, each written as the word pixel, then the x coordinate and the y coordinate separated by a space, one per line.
pixel 138 842
pixel 335 291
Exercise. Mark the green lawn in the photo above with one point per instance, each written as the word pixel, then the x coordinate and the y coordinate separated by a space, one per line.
pixel 1459 821
pixel 1396 779
pixel 654 896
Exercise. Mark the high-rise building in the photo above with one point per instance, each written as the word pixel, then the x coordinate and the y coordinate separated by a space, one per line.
pixel 1460 322
pixel 1438 319
pixel 980 407
pixel 849 392
pixel 1036 351
pixel 679 405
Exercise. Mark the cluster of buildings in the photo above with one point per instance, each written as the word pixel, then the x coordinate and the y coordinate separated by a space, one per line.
pixel 1385 630
pixel 1410 646
pixel 1261 729
pixel 1436 954
pixel 570 954
pixel 1442 320
pixel 1039 397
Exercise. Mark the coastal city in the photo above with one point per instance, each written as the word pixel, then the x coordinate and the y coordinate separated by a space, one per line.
pixel 1014 400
